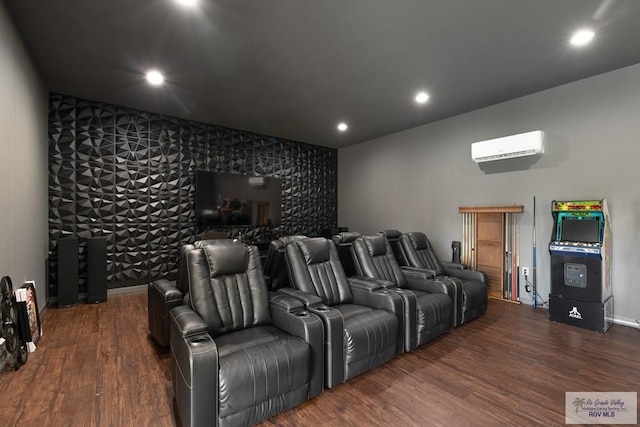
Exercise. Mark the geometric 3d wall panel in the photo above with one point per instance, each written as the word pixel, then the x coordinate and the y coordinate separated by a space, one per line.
pixel 127 175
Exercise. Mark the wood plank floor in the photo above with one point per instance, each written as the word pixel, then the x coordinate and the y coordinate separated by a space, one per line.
pixel 96 366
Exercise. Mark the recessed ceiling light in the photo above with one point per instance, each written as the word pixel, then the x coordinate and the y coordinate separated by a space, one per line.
pixel 422 97
pixel 155 78
pixel 582 37
pixel 187 2
pixel 342 127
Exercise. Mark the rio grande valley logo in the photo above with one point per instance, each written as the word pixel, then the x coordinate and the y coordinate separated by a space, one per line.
pixel 601 407
pixel 575 313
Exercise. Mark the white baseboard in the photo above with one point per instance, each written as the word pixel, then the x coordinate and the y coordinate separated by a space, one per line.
pixel 633 323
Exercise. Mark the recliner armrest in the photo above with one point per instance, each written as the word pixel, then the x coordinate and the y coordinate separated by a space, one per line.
pixel 422 280
pixel 383 299
pixel 409 302
pixel 466 274
pixel 367 286
pixel 305 325
pixel 166 289
pixel 285 302
pixel 453 265
pixel 417 273
pixel 162 296
pixel 309 300
pixel 370 283
pixel 186 322
pixel 333 325
pixel 195 363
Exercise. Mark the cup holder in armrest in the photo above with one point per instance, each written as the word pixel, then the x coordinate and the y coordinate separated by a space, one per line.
pixel 302 314
pixel 322 308
pixel 199 340
pixel 383 292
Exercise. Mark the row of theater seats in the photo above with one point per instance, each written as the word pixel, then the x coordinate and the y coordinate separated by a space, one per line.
pixel 246 346
pixel 406 260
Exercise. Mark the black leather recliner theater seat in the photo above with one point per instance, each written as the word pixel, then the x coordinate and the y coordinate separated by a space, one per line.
pixel 453 289
pixel 344 243
pixel 426 301
pixel 275 266
pixel 471 285
pixel 240 354
pixel 163 295
pixel 362 321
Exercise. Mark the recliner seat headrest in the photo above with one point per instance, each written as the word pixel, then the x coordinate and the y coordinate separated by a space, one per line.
pixel 346 237
pixel 377 245
pixel 391 234
pixel 285 240
pixel 419 240
pixel 226 257
pixel 199 244
pixel 315 250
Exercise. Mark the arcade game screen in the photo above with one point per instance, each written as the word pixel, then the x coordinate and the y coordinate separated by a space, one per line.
pixel 580 230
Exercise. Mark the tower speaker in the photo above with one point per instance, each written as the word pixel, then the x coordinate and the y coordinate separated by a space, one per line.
pixel 67 272
pixel 96 270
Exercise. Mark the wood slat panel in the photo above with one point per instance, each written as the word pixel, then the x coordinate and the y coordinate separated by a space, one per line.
pixel 96 366
pixel 489 253
pixel 495 280
pixel 490 227
pixel 490 250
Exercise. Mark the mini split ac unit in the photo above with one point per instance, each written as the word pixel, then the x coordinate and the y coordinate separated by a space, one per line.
pixel 508 147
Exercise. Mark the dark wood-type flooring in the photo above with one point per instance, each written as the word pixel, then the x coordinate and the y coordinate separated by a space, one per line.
pixel 96 366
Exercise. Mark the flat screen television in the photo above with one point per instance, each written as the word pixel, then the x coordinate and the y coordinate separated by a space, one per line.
pixel 580 230
pixel 227 200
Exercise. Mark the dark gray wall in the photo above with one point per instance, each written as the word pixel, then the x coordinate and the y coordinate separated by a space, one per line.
pixel 23 165
pixel 416 179
pixel 128 175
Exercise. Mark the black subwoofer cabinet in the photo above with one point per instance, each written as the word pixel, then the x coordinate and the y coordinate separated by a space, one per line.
pixel 67 272
pixel 96 270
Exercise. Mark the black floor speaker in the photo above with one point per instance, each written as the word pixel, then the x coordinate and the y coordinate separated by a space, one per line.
pixel 67 272
pixel 96 270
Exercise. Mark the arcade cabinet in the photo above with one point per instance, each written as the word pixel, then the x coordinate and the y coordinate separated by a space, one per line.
pixel 580 251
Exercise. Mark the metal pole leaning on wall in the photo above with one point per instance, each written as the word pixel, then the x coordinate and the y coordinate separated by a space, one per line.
pixel 534 302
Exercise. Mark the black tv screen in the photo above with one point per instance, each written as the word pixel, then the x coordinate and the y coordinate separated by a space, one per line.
pixel 224 199
pixel 580 230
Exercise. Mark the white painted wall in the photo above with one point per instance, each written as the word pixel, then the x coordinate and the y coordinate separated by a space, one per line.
pixel 23 164
pixel 415 180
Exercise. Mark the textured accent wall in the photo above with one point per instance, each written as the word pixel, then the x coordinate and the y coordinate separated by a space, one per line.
pixel 128 175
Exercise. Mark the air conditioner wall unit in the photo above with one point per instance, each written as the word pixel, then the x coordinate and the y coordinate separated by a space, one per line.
pixel 508 147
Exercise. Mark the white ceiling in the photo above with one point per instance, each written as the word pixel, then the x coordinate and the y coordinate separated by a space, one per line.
pixel 295 68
